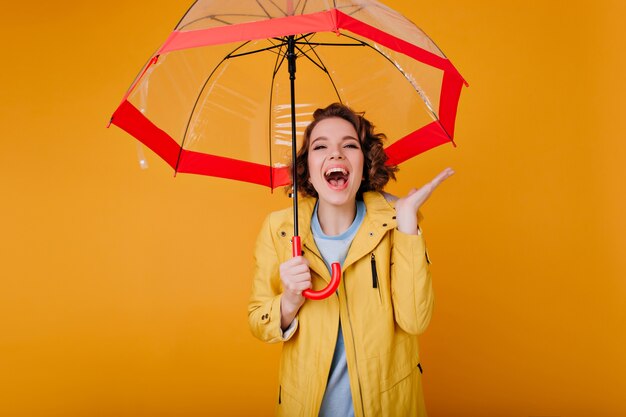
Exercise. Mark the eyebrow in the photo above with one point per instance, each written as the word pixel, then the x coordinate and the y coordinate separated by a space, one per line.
pixel 345 138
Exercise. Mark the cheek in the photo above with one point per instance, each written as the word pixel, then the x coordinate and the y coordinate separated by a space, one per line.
pixel 313 163
pixel 311 169
pixel 361 165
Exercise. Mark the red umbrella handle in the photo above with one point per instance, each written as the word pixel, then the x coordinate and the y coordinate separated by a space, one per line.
pixel 296 247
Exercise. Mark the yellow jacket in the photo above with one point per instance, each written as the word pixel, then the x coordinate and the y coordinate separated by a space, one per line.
pixel 384 301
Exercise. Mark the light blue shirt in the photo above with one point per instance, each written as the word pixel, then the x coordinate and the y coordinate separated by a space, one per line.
pixel 337 401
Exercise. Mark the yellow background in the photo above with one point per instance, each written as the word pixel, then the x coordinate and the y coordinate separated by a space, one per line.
pixel 123 291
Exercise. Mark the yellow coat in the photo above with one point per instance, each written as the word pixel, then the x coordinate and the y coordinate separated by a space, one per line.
pixel 384 301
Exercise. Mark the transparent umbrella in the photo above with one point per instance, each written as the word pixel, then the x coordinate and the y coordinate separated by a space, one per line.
pixel 220 98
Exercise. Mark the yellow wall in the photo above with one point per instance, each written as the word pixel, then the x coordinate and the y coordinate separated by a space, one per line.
pixel 123 291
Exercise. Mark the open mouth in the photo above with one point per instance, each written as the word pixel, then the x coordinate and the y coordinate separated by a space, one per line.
pixel 337 177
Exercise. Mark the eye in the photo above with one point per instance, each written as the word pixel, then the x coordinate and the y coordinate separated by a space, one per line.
pixel 352 146
pixel 316 147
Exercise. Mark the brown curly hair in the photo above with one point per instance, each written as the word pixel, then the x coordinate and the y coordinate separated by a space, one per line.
pixel 376 173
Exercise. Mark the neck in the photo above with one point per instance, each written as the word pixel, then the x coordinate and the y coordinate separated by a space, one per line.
pixel 335 220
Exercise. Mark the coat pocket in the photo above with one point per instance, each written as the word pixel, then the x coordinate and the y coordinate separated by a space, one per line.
pixel 401 382
pixel 288 404
pixel 400 361
pixel 405 397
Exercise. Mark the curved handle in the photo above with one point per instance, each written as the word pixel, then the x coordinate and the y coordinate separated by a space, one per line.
pixel 330 288
pixel 296 247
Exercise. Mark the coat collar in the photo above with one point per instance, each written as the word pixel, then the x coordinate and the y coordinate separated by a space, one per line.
pixel 379 218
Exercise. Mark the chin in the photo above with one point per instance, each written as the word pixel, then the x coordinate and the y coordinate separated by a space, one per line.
pixel 337 198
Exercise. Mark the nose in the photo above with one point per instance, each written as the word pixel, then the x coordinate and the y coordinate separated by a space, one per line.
pixel 336 154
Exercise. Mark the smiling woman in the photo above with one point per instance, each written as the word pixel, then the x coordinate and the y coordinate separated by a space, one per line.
pixel 355 353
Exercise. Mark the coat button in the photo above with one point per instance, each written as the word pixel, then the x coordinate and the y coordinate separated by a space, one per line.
pixel 283 234
pixel 384 224
pixel 371 233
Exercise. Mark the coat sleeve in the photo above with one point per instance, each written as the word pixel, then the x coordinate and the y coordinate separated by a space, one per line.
pixel 264 305
pixel 411 285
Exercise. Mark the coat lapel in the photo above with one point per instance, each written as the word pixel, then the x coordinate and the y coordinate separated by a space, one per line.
pixel 379 218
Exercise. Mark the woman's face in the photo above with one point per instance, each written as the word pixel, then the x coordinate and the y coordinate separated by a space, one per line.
pixel 335 161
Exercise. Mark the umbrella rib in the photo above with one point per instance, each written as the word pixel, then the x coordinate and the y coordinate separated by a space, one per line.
pixel 277 65
pixel 269 122
pixel 280 44
pixel 220 20
pixel 269 48
pixel 304 54
pixel 267 14
pixel 325 70
pixel 195 104
pixel 358 8
pixel 321 65
pixel 420 93
pixel 298 5
pixel 296 39
pixel 263 8
pixel 185 15
pixel 214 17
pixel 278 7
pixel 304 40
pixel 330 44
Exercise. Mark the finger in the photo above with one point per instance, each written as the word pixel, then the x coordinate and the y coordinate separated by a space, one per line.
pixel 294 264
pixel 429 187
pixel 436 182
pixel 301 277
pixel 443 175
pixel 295 274
pixel 297 270
pixel 298 287
pixel 298 260
pixel 301 286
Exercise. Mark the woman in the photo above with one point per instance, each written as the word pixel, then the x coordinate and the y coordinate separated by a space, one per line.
pixel 356 352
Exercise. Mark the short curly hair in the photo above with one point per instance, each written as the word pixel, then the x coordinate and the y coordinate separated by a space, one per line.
pixel 376 172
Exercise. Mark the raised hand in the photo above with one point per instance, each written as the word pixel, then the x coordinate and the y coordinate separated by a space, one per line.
pixel 407 207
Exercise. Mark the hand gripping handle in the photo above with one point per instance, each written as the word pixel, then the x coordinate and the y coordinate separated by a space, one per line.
pixel 296 247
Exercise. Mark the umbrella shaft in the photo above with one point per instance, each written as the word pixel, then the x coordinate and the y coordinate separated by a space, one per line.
pixel 291 59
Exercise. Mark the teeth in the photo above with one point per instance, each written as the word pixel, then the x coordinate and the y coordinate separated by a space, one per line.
pixel 331 170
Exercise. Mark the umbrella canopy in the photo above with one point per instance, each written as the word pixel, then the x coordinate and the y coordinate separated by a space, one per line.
pixel 219 97
pixel 215 99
